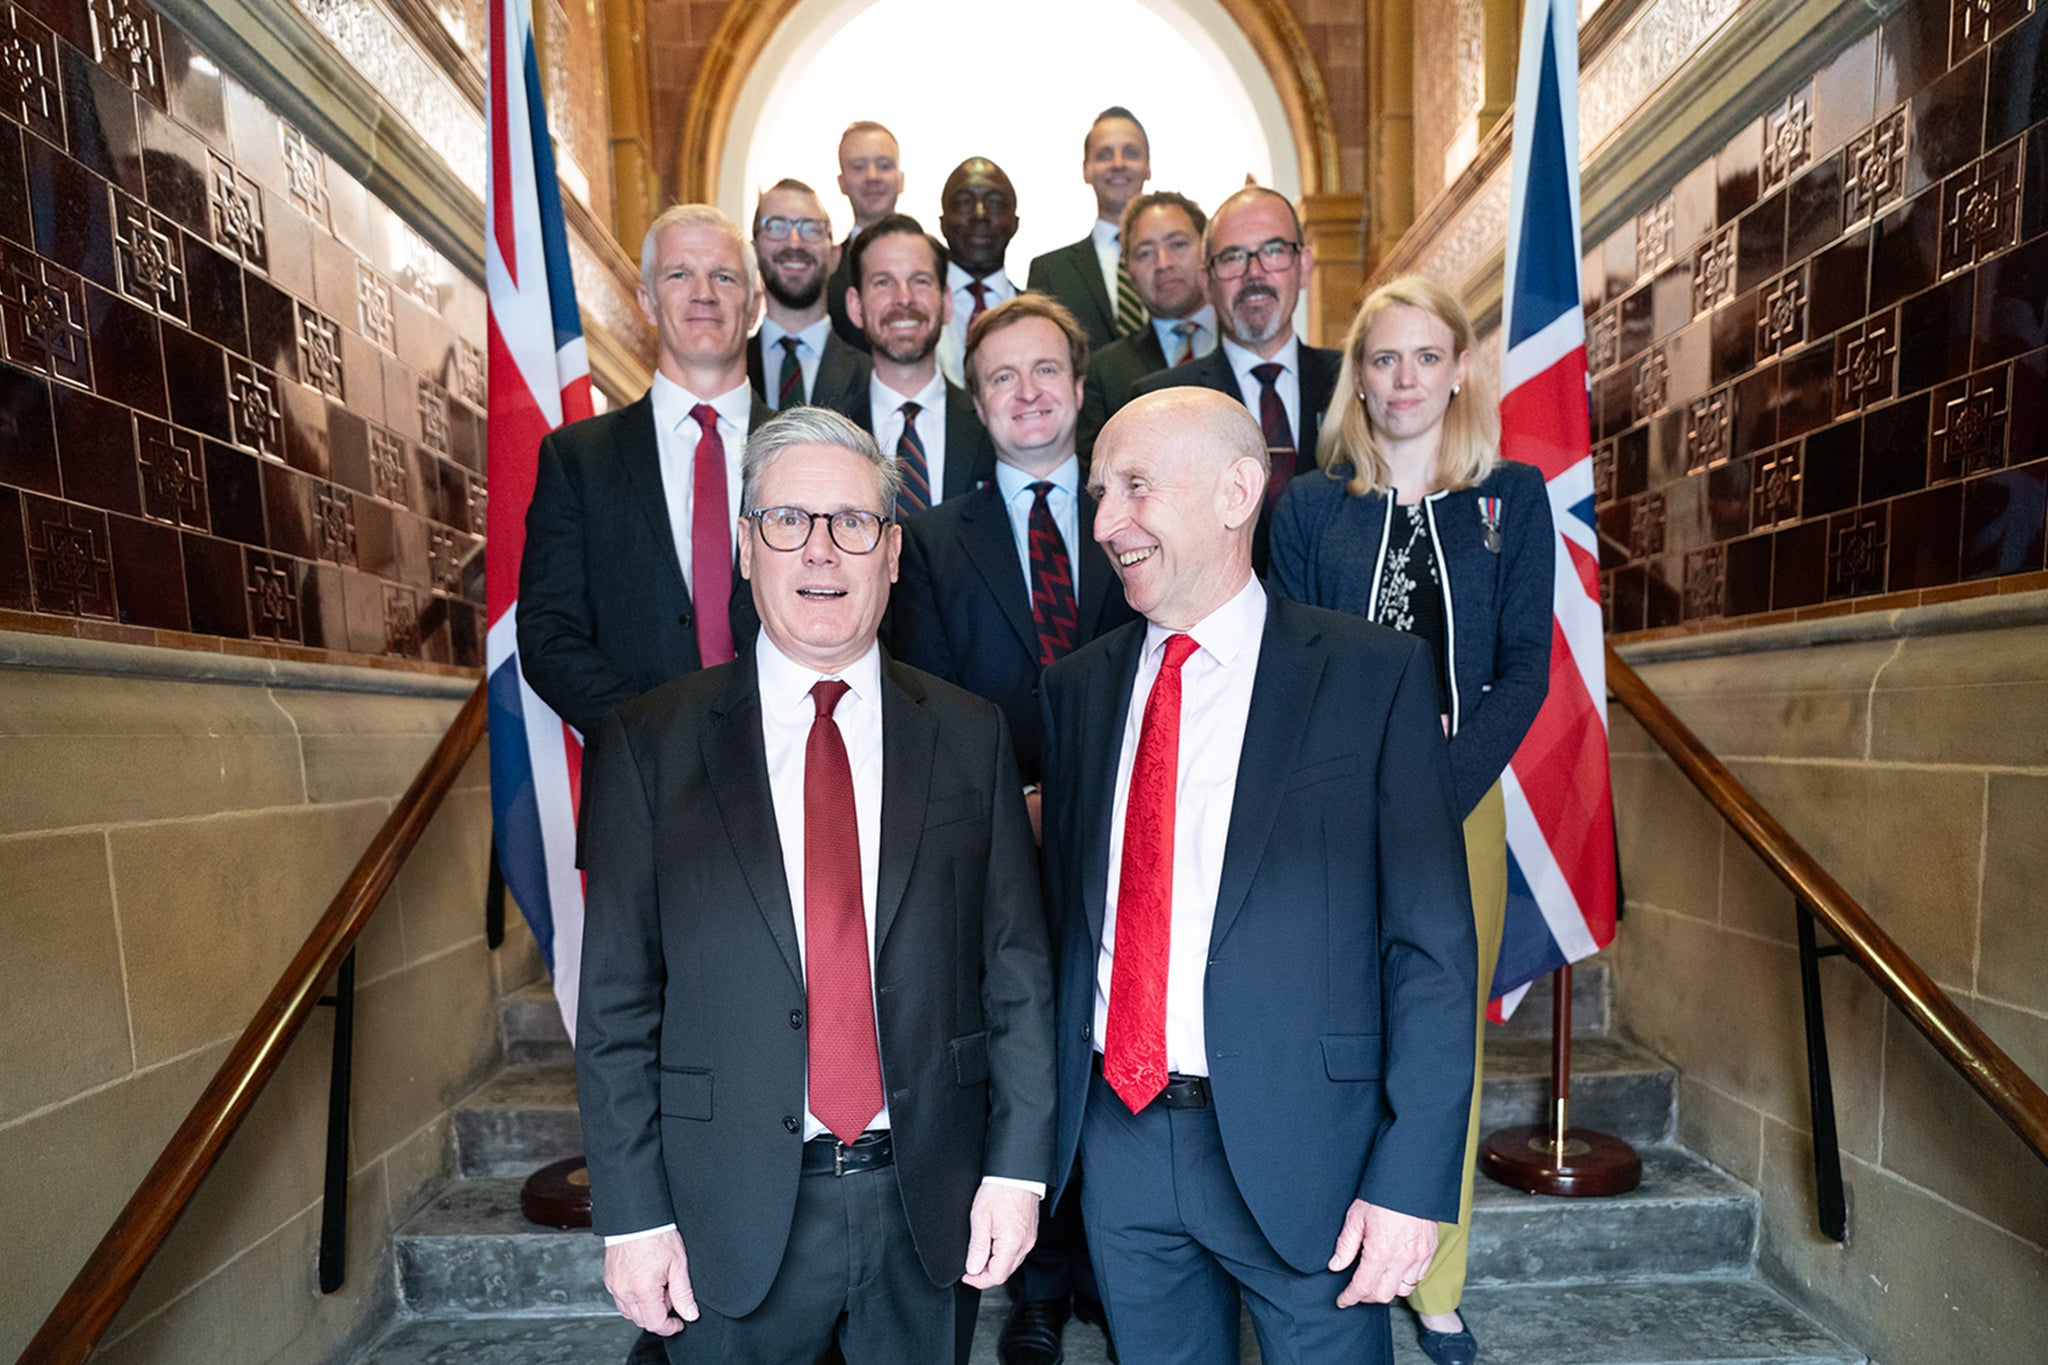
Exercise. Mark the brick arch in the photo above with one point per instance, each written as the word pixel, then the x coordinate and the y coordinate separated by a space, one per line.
pixel 1269 26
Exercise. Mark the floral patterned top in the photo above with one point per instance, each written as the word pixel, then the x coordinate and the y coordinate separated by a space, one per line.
pixel 1412 596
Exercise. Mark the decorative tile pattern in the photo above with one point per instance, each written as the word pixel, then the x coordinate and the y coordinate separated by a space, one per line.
pixel 28 75
pixel 373 307
pixel 1788 138
pixel 1603 474
pixel 70 562
pixel 1474 234
pixel 479 506
pixel 433 416
pixel 388 478
pixel 253 412
pixel 1967 425
pixel 1660 38
pixel 1865 363
pixel 1706 582
pixel 467 375
pixel 1856 554
pixel 1980 209
pixel 42 316
pixel 420 272
pixel 1603 339
pixel 305 172
pixel 320 352
pixel 1713 272
pixel 173 477
pixel 128 45
pixel 238 215
pixel 1652 383
pixel 424 96
pixel 273 599
pixel 334 523
pixel 1781 315
pixel 1707 423
pixel 1646 531
pixel 444 560
pixel 1656 230
pixel 149 254
pixel 1774 492
pixel 1876 168
pixel 401 621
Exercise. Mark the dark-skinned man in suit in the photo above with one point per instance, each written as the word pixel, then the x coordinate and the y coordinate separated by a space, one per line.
pixel 1089 276
pixel 1162 246
pixel 978 218
pixel 1257 885
pixel 997 585
pixel 795 357
pixel 814 1058
pixel 1257 264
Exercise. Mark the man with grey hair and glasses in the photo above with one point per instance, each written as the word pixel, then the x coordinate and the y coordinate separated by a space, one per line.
pixel 814 1048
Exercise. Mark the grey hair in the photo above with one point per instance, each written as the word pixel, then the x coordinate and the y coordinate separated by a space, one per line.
pixel 785 431
pixel 697 215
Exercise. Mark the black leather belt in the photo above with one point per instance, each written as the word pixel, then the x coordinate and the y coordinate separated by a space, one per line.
pixel 1181 1092
pixel 827 1155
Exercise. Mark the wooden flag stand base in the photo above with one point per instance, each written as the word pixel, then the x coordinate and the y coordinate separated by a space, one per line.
pixel 558 1195
pixel 1556 1158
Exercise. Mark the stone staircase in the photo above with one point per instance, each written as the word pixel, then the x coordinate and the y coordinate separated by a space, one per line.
pixel 1665 1275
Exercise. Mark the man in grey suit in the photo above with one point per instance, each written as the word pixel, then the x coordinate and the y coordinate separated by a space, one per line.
pixel 1162 247
pixel 795 357
pixel 1088 275
pixel 814 1046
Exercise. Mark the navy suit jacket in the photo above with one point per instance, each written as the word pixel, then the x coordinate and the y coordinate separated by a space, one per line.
pixel 1073 275
pixel 1337 1002
pixel 836 286
pixel 604 614
pixel 840 368
pixel 970 455
pixel 961 608
pixel 1112 373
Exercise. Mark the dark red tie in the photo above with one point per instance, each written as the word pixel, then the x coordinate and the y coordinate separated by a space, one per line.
pixel 845 1069
pixel 790 392
pixel 1052 581
pixel 916 492
pixel 710 543
pixel 1134 1041
pixel 980 292
pixel 1279 439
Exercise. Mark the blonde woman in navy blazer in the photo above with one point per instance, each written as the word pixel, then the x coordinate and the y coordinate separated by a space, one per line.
pixel 1415 521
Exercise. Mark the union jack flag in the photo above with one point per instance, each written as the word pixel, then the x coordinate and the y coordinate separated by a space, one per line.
pixel 1560 809
pixel 539 379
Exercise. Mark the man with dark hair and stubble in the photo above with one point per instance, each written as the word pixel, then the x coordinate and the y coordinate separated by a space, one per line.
pixel 1090 276
pixel 1162 248
pixel 795 357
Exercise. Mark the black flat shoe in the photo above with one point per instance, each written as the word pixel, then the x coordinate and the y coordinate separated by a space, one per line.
pixel 1032 1335
pixel 1448 1348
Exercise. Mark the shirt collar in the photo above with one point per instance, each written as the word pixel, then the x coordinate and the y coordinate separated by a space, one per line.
pixel 957 279
pixel 673 403
pixel 1106 233
pixel 1204 319
pixel 1224 632
pixel 786 684
pixel 812 336
pixel 1013 482
pixel 884 401
pixel 1288 357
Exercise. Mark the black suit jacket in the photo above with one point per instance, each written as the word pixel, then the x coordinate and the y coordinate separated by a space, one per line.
pixel 690 1044
pixel 1112 372
pixel 961 608
pixel 603 611
pixel 840 368
pixel 836 286
pixel 1318 384
pixel 1337 1001
pixel 970 455
pixel 1073 275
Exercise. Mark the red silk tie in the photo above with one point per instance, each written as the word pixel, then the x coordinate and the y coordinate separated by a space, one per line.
pixel 1053 612
pixel 1134 1039
pixel 980 292
pixel 710 543
pixel 845 1067
pixel 1279 440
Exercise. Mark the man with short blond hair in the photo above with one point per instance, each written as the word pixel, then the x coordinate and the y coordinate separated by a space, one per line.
pixel 1090 276
pixel 871 178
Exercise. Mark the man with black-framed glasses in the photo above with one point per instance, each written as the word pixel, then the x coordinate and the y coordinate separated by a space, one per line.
pixel 795 356
pixel 1257 264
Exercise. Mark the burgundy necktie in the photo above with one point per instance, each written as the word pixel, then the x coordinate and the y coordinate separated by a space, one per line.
pixel 845 1067
pixel 1052 581
pixel 710 543
pixel 916 493
pixel 1134 1040
pixel 790 393
pixel 980 292
pixel 1279 440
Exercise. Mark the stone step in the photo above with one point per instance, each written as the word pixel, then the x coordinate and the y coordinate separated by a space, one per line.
pixel 1592 1005
pixel 519 1120
pixel 1618 1087
pixel 503 1341
pixel 471 1251
pixel 533 1026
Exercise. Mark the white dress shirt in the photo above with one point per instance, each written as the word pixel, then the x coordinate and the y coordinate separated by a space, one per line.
pixel 1215 704
pixel 676 434
pixel 1288 357
pixel 953 340
pixel 1204 339
pixel 1064 500
pixel 1108 251
pixel 885 412
pixel 810 351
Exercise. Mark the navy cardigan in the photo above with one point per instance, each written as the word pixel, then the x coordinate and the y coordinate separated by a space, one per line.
pixel 1329 550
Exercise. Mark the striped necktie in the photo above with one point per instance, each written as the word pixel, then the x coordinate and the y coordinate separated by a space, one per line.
pixel 1130 309
pixel 1186 332
pixel 916 494
pixel 791 391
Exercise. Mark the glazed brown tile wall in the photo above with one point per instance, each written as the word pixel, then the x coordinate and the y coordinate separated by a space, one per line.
pixel 241 403
pixel 1820 359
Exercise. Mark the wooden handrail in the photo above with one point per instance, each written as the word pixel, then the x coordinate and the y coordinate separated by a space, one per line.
pixel 2011 1093
pixel 110 1274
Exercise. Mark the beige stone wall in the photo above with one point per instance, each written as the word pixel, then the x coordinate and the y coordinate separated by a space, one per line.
pixel 164 846
pixel 1915 768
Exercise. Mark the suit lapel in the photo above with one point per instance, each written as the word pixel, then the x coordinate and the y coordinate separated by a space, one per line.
pixel 992 548
pixel 970 459
pixel 736 756
pixel 909 740
pixel 757 372
pixel 839 369
pixel 1282 690
pixel 1105 712
pixel 1213 371
pixel 1081 258
pixel 639 456
pixel 1092 571
pixel 1318 384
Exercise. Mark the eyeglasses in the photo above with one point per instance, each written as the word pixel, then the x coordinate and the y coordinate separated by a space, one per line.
pixel 788 529
pixel 777 228
pixel 1273 255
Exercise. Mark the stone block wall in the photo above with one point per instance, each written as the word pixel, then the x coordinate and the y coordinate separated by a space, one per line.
pixel 1914 766
pixel 165 843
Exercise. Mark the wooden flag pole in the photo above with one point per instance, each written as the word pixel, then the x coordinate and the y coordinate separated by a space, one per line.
pixel 1554 1157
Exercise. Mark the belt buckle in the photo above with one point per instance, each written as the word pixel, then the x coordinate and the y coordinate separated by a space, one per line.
pixel 838 1157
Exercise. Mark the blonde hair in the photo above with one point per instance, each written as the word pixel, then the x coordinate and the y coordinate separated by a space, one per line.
pixel 1469 448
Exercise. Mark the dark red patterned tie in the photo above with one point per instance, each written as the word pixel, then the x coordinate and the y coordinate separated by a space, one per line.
pixel 916 493
pixel 790 393
pixel 1052 581
pixel 710 542
pixel 1273 421
pixel 845 1068
pixel 980 292
pixel 1134 1040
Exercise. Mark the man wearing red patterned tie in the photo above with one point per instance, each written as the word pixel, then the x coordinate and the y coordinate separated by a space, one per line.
pixel 628 578
pixel 1257 885
pixel 814 1053
pixel 978 216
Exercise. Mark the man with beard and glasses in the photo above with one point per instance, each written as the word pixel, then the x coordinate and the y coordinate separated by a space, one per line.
pixel 1090 276
pixel 795 357
pixel 899 301
pixel 871 178
pixel 1257 265
pixel 1162 247
pixel 978 215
